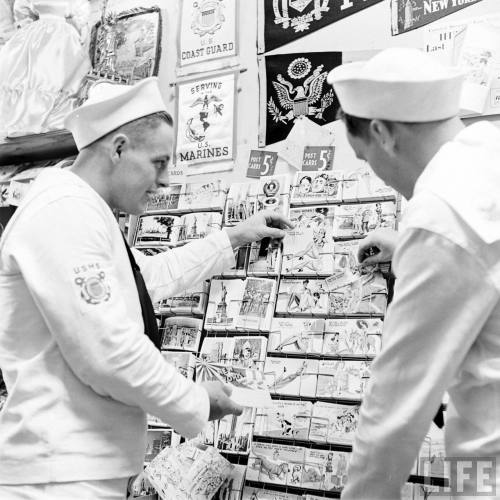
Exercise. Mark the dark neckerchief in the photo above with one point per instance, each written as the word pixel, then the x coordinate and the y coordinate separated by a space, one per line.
pixel 148 314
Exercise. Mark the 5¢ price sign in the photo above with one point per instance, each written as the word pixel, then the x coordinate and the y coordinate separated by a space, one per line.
pixel 261 163
pixel 318 158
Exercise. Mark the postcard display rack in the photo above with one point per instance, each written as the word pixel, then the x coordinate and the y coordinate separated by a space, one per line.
pixel 300 317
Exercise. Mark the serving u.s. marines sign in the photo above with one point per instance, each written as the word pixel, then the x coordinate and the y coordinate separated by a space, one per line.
pixel 207 30
pixel 205 119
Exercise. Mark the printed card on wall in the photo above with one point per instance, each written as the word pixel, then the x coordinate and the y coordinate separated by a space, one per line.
pixel 299 335
pixel 207 31
pixel 205 121
pixel 294 85
pixel 282 21
pixel 410 14
pixel 333 423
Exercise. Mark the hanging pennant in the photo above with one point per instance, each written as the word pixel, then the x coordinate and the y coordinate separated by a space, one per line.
pixel 410 14
pixel 207 31
pixel 293 85
pixel 206 120
pixel 283 21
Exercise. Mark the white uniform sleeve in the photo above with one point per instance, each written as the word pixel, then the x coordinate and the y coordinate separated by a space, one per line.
pixel 181 268
pixel 64 252
pixel 442 299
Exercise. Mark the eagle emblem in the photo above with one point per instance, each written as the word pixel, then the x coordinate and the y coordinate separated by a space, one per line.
pixel 306 99
pixel 302 22
pixel 196 126
pixel 207 17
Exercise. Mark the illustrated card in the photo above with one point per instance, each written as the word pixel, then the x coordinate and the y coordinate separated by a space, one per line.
pixel 197 225
pixel 249 352
pixel 251 493
pixel 291 376
pixel 308 248
pixel 325 470
pixel 363 185
pixel 264 258
pixel 342 379
pixel 333 423
pixel 234 433
pixel 302 297
pixel 184 362
pixel 301 335
pixel 224 304
pixel 257 304
pixel 210 195
pixel 317 187
pixel 154 230
pixel 354 221
pixel 232 488
pixel 217 350
pixel 284 420
pixel 181 333
pixel 353 337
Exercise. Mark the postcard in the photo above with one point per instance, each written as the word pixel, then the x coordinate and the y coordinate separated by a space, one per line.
pixel 333 423
pixel 291 376
pixel 308 248
pixel 285 420
pixel 210 195
pixel 264 258
pixel 363 185
pixel 184 362
pixel 257 304
pixel 192 301
pixel 301 335
pixel 166 198
pixel 232 487
pixel 157 230
pixel 197 225
pixel 234 433
pixel 158 439
pixel 224 304
pixel 181 333
pixel 302 297
pixel 251 493
pixel 342 379
pixel 325 470
pixel 317 187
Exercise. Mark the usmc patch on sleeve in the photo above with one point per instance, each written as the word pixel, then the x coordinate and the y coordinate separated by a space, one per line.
pixel 94 289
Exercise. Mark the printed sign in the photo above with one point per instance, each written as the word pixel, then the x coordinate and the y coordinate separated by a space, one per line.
pixel 318 158
pixel 261 163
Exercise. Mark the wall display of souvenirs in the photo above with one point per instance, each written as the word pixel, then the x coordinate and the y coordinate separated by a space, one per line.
pixel 308 247
pixel 324 470
pixel 251 493
pixel 264 258
pixel 302 297
pixel 247 198
pixel 128 45
pixel 184 362
pixel 353 221
pixel 363 185
pixel 234 433
pixel 209 195
pixel 246 304
pixel 316 187
pixel 301 335
pixel 244 352
pixel 291 376
pixel 157 440
pixel 333 423
pixel 353 337
pixel 232 487
pixel 181 333
pixel 192 301
pixel 275 463
pixel 342 379
pixel 284 420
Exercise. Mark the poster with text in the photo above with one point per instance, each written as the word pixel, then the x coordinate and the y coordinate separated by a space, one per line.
pixel 207 31
pixel 206 120
pixel 410 14
pixel 283 21
pixel 294 85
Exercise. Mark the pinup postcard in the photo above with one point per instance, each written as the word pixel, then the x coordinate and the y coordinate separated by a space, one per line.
pixel 308 247
pixel 191 301
pixel 249 388
pixel 333 423
pixel 317 187
pixel 166 198
pixel 210 195
pixel 232 487
pixel 197 225
pixel 182 333
pixel 184 362
pixel 325 470
pixel 234 434
pixel 291 376
pixel 299 335
pixel 353 337
pixel 363 185
pixel 264 258
pixel 224 303
pixel 274 463
pixel 154 230
pixel 356 294
pixel 352 221
pixel 158 439
pixel 342 379
pixel 302 297
pixel 251 493
pixel 247 198
pixel 257 304
pixel 285 420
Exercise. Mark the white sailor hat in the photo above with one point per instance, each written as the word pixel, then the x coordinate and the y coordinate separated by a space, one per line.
pixel 398 84
pixel 110 106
